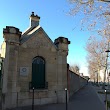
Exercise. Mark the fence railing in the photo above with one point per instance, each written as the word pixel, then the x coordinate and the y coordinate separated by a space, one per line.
pixel 44 86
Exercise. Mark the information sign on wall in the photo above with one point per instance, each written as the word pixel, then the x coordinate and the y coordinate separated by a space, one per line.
pixel 24 71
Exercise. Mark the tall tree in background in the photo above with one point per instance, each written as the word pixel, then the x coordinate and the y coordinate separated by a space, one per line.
pixel 96 56
pixel 95 15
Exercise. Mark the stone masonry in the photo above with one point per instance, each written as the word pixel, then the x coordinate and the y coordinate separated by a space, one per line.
pixel 18 51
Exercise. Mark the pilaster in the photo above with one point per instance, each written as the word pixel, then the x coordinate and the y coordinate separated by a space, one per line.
pixel 11 37
pixel 62 45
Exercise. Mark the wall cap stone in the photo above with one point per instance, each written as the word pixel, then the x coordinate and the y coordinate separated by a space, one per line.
pixel 61 40
pixel 11 30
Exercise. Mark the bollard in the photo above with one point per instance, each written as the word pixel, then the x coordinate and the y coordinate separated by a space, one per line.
pixel 66 99
pixel 106 99
pixel 17 99
pixel 33 99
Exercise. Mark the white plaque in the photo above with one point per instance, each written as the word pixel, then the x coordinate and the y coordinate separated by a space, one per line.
pixel 24 71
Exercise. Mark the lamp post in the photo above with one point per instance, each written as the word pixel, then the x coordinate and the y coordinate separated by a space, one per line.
pixel 106 99
pixel 108 79
pixel 66 99
pixel 106 65
pixel 33 99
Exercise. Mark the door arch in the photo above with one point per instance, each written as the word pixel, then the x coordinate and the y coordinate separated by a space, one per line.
pixel 38 73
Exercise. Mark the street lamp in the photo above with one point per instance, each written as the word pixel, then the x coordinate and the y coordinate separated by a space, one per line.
pixel 66 99
pixel 108 79
pixel 33 99
pixel 106 99
pixel 106 65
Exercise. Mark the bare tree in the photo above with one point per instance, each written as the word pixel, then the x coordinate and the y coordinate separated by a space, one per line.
pixel 94 12
pixel 96 17
pixel 75 68
pixel 96 56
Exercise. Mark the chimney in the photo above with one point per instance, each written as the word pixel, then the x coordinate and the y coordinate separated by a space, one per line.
pixel 34 20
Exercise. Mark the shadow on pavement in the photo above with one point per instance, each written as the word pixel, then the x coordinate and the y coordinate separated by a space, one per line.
pixel 85 99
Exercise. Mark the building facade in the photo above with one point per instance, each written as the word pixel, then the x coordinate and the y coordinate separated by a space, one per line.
pixel 32 61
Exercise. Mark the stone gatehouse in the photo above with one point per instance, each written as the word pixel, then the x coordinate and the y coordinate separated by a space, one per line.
pixel 32 60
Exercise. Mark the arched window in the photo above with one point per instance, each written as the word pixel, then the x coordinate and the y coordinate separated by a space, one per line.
pixel 38 73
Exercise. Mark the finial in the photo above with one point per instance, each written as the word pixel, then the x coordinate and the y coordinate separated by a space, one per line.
pixel 32 14
pixel 35 15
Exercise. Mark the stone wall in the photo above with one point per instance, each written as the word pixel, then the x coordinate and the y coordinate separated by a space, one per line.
pixel 75 82
pixel 19 54
pixel 19 50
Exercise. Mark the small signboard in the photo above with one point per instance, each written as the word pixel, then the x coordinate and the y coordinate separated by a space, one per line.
pixel 24 71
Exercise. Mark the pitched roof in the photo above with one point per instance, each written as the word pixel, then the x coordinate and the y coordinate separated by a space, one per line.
pixel 30 33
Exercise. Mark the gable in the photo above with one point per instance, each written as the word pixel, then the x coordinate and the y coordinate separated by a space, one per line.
pixel 37 38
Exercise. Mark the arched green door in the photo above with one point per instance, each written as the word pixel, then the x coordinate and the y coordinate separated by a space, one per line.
pixel 38 73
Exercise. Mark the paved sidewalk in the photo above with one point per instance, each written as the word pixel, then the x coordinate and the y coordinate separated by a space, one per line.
pixel 85 99
pixel 102 96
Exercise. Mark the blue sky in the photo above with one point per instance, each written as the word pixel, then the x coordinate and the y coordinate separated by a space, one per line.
pixel 54 19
